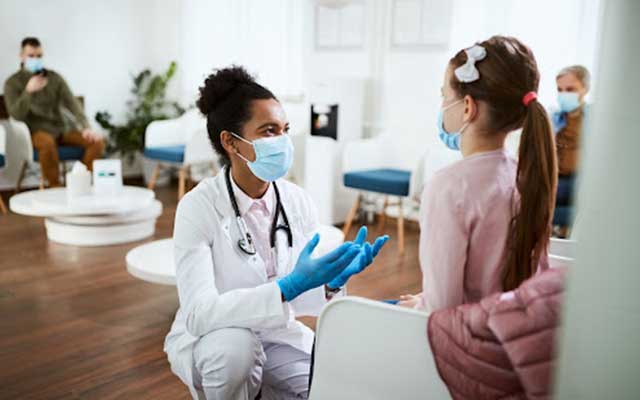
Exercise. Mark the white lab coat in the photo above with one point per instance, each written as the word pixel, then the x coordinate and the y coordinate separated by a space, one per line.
pixel 219 286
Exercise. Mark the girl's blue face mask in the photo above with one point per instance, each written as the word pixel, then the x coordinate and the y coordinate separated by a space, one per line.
pixel 450 139
pixel 274 156
pixel 568 101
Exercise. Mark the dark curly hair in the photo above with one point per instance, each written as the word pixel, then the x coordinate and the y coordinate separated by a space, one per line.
pixel 225 100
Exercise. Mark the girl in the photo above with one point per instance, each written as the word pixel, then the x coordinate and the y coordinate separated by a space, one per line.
pixel 486 219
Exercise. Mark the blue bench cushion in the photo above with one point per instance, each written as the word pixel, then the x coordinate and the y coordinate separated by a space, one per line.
pixel 388 181
pixel 1 160
pixel 65 153
pixel 165 153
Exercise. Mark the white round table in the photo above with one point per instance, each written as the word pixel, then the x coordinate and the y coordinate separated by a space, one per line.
pixel 92 220
pixel 153 262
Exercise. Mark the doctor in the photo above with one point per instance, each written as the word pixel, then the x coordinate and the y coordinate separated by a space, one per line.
pixel 243 245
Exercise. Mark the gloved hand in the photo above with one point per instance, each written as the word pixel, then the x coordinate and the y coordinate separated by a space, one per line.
pixel 311 273
pixel 362 261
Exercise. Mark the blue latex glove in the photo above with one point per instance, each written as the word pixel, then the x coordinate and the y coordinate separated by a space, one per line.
pixel 311 273
pixel 367 253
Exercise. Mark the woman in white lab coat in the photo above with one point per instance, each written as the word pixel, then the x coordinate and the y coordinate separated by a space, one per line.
pixel 243 244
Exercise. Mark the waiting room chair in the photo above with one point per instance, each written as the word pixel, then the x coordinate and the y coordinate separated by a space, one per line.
pixel 371 350
pixel 390 166
pixel 178 143
pixel 25 151
pixel 379 165
pixel 562 252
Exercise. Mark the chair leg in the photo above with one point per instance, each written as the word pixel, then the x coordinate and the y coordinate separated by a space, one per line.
pixel 182 180
pixel 400 228
pixel 154 177
pixel 23 171
pixel 383 216
pixel 3 208
pixel 350 216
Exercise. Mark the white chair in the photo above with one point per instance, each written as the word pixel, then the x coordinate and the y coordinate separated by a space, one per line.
pixel 178 143
pixel 371 350
pixel 21 153
pixel 562 252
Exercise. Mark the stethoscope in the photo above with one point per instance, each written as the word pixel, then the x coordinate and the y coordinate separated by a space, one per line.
pixel 245 243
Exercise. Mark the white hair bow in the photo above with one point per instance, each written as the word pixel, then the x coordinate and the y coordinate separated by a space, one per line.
pixel 468 72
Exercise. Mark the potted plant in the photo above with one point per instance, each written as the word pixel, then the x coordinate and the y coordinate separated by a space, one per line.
pixel 149 103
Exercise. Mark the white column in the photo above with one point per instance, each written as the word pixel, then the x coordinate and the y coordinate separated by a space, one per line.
pixel 600 346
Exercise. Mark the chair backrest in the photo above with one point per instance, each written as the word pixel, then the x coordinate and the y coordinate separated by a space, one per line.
pixel 4 114
pixel 371 350
pixel 562 252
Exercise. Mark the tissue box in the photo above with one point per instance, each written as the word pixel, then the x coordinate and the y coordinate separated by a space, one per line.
pixel 78 184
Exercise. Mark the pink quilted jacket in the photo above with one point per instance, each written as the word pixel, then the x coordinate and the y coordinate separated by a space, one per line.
pixel 502 347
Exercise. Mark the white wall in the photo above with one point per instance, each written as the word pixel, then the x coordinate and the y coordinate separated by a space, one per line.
pixel 96 45
pixel 408 80
pixel 264 36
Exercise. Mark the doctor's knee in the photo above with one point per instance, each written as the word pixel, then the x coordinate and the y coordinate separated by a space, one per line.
pixel 228 357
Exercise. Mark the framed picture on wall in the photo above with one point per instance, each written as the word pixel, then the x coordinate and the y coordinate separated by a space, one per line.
pixel 420 23
pixel 340 25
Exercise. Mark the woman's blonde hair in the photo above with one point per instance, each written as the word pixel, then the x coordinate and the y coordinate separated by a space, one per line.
pixel 580 72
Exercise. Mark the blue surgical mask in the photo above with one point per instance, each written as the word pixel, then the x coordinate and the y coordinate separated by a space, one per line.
pixel 274 156
pixel 568 101
pixel 33 64
pixel 450 139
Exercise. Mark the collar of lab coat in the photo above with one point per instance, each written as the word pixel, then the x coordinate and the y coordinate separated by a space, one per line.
pixel 245 202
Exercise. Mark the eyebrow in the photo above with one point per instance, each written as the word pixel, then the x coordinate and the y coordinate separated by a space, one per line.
pixel 272 124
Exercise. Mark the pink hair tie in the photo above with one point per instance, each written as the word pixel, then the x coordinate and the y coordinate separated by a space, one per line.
pixel 528 98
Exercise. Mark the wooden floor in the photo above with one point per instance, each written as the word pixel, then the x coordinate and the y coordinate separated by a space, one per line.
pixel 75 325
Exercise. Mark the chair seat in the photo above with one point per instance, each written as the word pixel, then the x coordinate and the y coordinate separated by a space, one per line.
pixel 65 153
pixel 1 160
pixel 165 153
pixel 387 181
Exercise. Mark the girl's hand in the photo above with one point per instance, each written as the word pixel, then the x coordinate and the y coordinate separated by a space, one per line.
pixel 410 300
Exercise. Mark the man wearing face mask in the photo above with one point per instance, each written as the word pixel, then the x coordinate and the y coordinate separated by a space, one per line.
pixel 568 122
pixel 36 96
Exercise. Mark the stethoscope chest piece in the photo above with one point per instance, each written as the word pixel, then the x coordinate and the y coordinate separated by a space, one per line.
pixel 245 242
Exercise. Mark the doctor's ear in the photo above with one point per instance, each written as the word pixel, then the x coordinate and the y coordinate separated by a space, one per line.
pixel 228 142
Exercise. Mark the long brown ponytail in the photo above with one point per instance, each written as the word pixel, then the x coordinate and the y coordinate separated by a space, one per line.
pixel 507 74
pixel 536 182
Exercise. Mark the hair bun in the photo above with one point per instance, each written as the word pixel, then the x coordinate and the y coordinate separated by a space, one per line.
pixel 219 85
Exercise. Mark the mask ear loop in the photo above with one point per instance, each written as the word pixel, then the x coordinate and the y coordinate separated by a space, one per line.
pixel 445 108
pixel 244 140
pixel 465 125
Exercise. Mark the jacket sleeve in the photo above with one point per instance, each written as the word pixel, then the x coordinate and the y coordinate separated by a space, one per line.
pixel 17 100
pixel 443 245
pixel 71 103
pixel 206 309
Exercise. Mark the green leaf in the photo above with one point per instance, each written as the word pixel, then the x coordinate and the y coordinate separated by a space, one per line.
pixel 148 103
